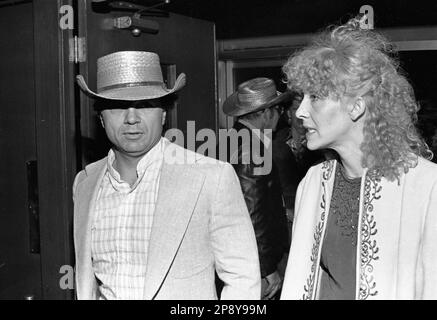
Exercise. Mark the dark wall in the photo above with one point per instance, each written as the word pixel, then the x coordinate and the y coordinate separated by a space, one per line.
pixel 183 41
pixel 256 18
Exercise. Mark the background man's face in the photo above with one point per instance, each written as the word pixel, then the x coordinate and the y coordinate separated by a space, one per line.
pixel 275 114
pixel 133 131
pixel 293 121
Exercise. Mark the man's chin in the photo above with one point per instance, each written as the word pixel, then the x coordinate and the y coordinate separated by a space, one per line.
pixel 133 149
pixel 133 152
pixel 137 153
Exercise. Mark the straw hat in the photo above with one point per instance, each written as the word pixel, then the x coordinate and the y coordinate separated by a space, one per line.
pixel 254 95
pixel 130 76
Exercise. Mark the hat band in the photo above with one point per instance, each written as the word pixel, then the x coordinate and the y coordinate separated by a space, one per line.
pixel 130 85
pixel 256 99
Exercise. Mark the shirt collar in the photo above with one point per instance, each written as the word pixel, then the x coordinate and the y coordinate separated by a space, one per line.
pixel 153 155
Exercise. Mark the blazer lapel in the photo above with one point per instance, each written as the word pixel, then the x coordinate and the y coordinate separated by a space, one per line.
pixel 179 190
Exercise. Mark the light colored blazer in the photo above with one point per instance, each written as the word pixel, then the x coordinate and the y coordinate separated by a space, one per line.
pixel 397 238
pixel 201 224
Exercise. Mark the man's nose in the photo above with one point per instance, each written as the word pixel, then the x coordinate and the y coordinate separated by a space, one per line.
pixel 132 116
pixel 302 111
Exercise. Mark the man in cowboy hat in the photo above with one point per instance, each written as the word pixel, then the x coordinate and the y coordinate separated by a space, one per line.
pixel 145 227
pixel 257 106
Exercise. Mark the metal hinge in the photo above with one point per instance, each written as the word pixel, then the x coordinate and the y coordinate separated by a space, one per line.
pixel 77 49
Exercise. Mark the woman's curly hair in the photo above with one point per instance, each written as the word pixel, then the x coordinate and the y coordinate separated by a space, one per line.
pixel 348 61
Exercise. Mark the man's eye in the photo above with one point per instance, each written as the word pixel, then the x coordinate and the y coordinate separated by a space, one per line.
pixel 116 110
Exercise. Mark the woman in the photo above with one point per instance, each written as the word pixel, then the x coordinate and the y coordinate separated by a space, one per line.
pixel 365 224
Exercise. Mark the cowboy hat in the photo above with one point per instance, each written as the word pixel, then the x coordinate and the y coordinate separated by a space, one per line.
pixel 130 76
pixel 252 96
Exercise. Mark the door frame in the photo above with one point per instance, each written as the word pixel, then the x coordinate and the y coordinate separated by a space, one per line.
pixel 56 143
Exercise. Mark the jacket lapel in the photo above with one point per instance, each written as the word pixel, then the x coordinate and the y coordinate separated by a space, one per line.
pixel 317 224
pixel 179 190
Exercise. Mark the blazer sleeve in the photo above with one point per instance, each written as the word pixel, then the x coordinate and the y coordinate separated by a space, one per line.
pixel 233 241
pixel 429 249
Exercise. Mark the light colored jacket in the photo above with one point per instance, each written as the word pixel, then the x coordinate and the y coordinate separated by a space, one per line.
pixel 397 239
pixel 201 224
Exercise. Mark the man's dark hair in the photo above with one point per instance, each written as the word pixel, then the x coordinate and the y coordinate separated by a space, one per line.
pixel 165 103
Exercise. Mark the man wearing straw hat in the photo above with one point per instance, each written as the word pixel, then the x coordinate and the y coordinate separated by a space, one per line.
pixel 257 106
pixel 147 226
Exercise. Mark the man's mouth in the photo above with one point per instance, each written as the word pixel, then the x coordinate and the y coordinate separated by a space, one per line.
pixel 133 135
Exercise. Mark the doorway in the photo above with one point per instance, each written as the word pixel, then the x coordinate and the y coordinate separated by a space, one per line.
pixel 20 261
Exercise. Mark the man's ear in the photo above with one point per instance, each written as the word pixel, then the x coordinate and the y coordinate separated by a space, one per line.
pixel 268 113
pixel 164 117
pixel 357 108
pixel 101 120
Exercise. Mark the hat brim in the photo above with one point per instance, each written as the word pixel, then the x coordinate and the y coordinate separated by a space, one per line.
pixel 133 93
pixel 232 108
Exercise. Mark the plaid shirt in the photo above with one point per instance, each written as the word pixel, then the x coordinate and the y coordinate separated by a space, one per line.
pixel 122 225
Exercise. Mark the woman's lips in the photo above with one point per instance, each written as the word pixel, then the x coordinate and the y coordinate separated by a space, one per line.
pixel 309 133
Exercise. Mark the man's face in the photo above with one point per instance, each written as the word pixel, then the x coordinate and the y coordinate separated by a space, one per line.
pixel 134 131
pixel 273 117
pixel 293 121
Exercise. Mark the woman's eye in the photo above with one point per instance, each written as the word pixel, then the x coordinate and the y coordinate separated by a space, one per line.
pixel 313 97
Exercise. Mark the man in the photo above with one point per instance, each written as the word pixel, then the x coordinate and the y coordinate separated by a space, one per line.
pixel 256 106
pixel 290 155
pixel 286 146
pixel 153 220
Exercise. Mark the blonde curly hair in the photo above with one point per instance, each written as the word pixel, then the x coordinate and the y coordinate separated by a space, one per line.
pixel 347 61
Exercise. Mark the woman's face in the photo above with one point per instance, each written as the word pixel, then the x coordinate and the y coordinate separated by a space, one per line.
pixel 327 122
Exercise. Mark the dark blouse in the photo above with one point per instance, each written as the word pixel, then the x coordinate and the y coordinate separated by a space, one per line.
pixel 338 257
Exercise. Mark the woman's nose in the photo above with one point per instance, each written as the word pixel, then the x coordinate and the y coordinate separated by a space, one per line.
pixel 301 111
